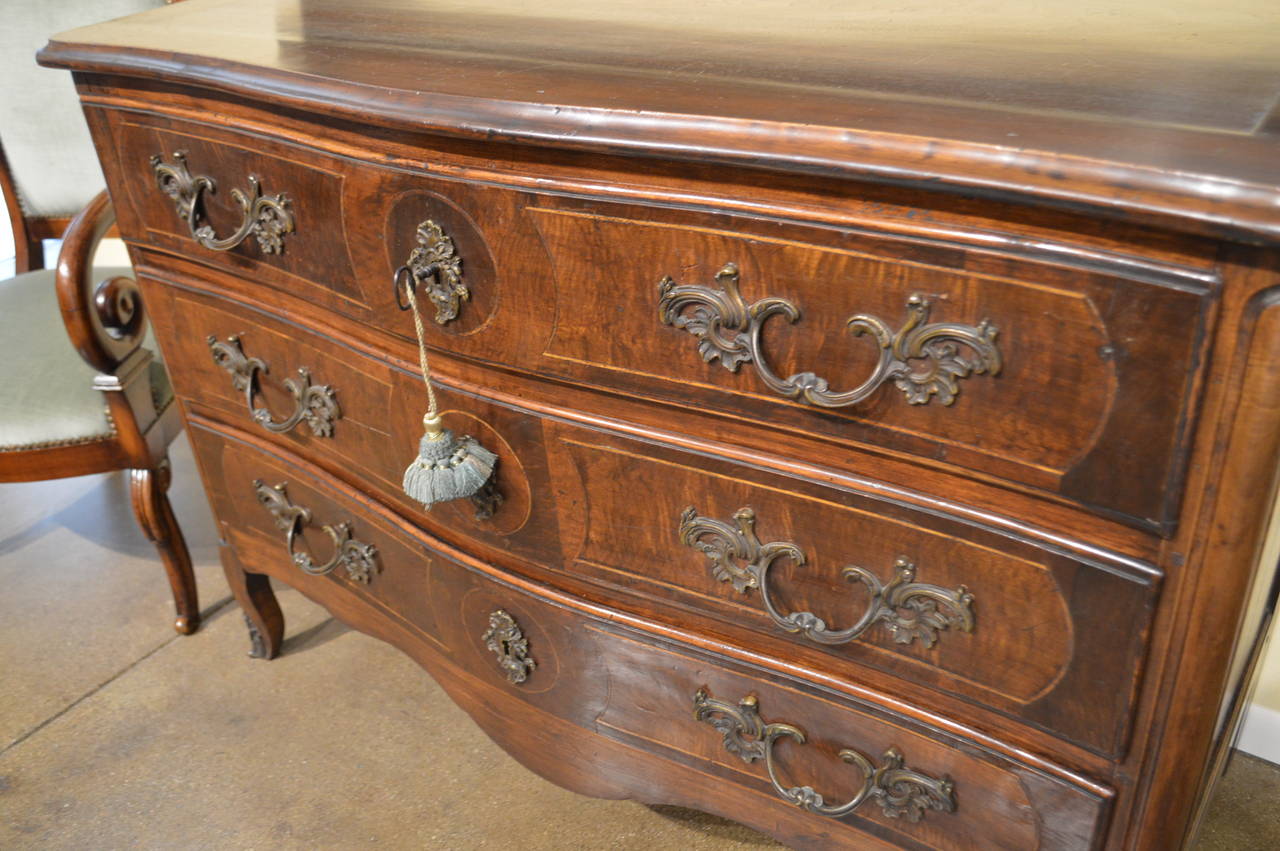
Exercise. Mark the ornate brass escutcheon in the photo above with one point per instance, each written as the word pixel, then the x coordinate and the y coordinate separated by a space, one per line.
pixel 899 790
pixel 487 500
pixel 316 404
pixel 266 217
pixel 360 560
pixel 434 266
pixel 909 609
pixel 922 359
pixel 505 640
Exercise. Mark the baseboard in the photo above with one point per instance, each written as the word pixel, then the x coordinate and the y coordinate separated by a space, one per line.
pixel 1260 733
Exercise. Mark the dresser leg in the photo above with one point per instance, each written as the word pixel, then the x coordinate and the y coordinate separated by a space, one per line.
pixel 262 613
pixel 155 516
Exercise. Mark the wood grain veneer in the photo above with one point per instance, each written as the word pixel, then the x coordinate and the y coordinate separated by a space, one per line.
pixel 1102 495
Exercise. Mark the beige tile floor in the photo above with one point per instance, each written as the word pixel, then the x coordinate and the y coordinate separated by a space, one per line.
pixel 117 734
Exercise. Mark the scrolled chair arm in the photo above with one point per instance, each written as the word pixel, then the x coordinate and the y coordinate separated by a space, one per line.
pixel 104 318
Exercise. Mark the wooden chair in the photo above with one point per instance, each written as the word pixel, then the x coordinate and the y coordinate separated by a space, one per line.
pixel 81 391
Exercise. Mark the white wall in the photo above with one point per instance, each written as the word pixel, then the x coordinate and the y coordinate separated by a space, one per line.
pixel 1260 734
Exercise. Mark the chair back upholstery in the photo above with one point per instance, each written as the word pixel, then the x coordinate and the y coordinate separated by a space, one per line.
pixel 52 170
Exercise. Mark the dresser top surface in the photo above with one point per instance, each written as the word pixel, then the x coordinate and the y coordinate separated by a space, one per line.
pixel 1179 98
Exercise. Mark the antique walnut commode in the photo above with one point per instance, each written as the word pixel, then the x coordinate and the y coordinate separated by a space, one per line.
pixel 887 424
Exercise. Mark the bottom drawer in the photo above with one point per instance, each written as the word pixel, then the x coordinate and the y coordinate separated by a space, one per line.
pixel 610 704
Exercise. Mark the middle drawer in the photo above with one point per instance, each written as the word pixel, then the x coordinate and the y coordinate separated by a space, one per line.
pixel 847 583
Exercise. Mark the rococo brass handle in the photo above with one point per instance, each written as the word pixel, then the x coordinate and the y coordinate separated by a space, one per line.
pixel 923 359
pixel 266 217
pixel 358 558
pixel 909 609
pixel 316 403
pixel 899 790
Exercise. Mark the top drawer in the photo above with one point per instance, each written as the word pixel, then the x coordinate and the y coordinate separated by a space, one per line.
pixel 1075 378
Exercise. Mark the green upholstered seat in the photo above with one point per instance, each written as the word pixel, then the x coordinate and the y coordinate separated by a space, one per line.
pixel 46 389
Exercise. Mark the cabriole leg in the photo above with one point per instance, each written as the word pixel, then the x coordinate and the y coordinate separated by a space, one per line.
pixel 262 613
pixel 155 516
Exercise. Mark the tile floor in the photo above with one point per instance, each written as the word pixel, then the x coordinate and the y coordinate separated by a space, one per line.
pixel 117 734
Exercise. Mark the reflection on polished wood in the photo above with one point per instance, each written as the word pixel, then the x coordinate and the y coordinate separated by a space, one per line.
pixel 1087 505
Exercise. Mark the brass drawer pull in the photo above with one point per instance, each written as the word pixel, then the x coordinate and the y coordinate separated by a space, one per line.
pixel 909 609
pixel 265 217
pixel 358 558
pixel 922 359
pixel 900 791
pixel 435 266
pixel 316 403
pixel 505 640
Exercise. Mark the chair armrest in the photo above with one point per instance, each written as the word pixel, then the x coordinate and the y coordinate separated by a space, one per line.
pixel 104 319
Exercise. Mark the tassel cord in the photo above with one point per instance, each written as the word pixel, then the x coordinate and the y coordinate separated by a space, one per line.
pixel 411 289
pixel 447 467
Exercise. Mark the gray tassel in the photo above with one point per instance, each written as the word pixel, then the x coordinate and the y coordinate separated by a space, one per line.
pixel 446 467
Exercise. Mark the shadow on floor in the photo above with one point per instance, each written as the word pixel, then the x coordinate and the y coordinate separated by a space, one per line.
pixel 713 826
pixel 314 636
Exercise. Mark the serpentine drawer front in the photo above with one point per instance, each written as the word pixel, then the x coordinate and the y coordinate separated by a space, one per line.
pixel 882 458
pixel 1047 638
pixel 916 785
pixel 832 576
pixel 989 362
pixel 357 416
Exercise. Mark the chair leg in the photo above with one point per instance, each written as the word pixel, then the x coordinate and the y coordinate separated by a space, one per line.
pixel 257 601
pixel 155 516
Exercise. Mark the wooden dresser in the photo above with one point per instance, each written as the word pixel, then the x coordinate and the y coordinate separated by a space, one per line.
pixel 887 403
